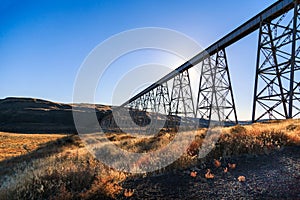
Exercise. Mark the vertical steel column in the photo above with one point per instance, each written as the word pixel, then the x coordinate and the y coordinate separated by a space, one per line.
pixel 186 89
pixel 175 95
pixel 293 60
pixel 149 111
pixel 256 71
pixel 162 105
pixel 137 113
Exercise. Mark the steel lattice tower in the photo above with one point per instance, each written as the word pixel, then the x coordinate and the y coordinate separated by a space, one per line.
pixel 181 99
pixel 162 99
pixel 276 90
pixel 215 89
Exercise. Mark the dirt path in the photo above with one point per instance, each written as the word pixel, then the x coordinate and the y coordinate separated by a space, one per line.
pixel 273 176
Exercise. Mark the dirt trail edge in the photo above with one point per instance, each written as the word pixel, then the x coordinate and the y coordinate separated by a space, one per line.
pixel 272 176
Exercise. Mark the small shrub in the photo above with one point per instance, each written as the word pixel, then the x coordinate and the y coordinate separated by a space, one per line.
pixel 273 139
pixel 193 149
pixel 291 127
pixel 238 129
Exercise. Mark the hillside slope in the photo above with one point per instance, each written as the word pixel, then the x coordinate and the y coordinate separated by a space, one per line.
pixel 29 115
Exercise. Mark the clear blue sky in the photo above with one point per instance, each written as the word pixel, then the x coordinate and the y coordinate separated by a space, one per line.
pixel 44 42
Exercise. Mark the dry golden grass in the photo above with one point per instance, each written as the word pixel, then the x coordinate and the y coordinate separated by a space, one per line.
pixel 12 145
pixel 54 167
pixel 57 166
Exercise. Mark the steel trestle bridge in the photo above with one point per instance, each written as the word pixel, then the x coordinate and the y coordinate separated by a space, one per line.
pixel 277 77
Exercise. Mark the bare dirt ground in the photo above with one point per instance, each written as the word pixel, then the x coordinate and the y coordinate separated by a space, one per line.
pixel 272 176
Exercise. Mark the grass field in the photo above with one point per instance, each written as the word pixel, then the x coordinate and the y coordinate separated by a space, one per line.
pixel 57 166
pixel 13 145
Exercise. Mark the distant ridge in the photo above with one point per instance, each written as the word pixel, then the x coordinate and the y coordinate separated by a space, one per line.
pixel 31 115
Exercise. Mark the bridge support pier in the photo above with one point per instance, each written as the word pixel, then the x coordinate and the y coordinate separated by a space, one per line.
pixel 215 90
pixel 276 88
pixel 182 103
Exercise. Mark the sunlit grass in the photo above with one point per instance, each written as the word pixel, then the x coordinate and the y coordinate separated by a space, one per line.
pixel 40 166
pixel 56 167
pixel 12 145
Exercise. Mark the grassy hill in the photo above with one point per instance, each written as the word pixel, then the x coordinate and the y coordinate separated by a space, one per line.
pixel 29 115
